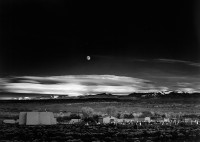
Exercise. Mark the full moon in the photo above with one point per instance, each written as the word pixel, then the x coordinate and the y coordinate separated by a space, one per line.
pixel 88 58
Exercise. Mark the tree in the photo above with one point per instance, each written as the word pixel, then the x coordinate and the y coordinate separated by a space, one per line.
pixel 111 110
pixel 96 117
pixel 118 115
pixel 128 115
pixel 74 116
pixel 163 116
pixel 146 114
pixel 87 111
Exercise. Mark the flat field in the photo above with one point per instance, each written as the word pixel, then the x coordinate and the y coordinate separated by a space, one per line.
pixel 185 106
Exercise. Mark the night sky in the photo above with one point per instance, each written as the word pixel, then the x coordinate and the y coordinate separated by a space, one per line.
pixel 154 40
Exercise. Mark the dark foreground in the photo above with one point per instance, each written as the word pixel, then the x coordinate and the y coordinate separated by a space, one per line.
pixel 101 133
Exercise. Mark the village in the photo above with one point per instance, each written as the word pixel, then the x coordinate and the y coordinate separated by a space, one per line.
pixel 87 125
pixel 64 118
pixel 88 116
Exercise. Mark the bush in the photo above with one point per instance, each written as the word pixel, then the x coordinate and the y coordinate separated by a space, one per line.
pixel 103 132
pixel 74 116
pixel 111 110
pixel 87 111
pixel 128 116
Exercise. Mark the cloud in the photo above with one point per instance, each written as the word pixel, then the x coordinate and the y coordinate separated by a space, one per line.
pixel 188 86
pixel 184 84
pixel 89 79
pixel 75 85
pixel 46 89
pixel 3 82
pixel 185 89
pixel 179 61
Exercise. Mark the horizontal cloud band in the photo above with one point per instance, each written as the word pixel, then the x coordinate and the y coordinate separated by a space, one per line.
pixel 80 85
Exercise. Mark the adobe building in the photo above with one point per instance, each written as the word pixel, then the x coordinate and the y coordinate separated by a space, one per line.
pixel 147 119
pixel 107 119
pixel 36 118
pixel 22 118
pixel 9 121
pixel 74 121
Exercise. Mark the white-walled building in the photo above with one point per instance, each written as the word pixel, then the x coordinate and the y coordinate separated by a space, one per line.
pixel 108 119
pixel 22 118
pixel 73 121
pixel 32 118
pixel 37 118
pixel 147 119
pixel 120 120
pixel 166 120
pixel 62 114
pixel 9 121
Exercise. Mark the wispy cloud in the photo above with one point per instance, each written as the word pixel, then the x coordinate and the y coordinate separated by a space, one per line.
pixel 163 75
pixel 95 79
pixel 186 90
pixel 76 85
pixel 179 61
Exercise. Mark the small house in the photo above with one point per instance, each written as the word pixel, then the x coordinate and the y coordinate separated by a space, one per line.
pixel 125 120
pixel 108 119
pixel 135 119
pixel 166 120
pixel 160 119
pixel 188 120
pixel 141 119
pixel 73 121
pixel 156 119
pixel 9 121
pixel 120 120
pixel 174 120
pixel 63 114
pixel 147 119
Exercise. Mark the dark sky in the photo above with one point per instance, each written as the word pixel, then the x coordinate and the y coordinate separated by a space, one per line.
pixel 134 46
pixel 41 37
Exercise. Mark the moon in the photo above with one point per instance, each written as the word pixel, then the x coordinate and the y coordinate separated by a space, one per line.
pixel 88 58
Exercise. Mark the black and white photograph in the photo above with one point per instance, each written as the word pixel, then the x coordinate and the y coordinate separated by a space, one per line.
pixel 99 71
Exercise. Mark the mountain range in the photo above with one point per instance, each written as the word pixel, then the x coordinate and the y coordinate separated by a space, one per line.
pixel 132 96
